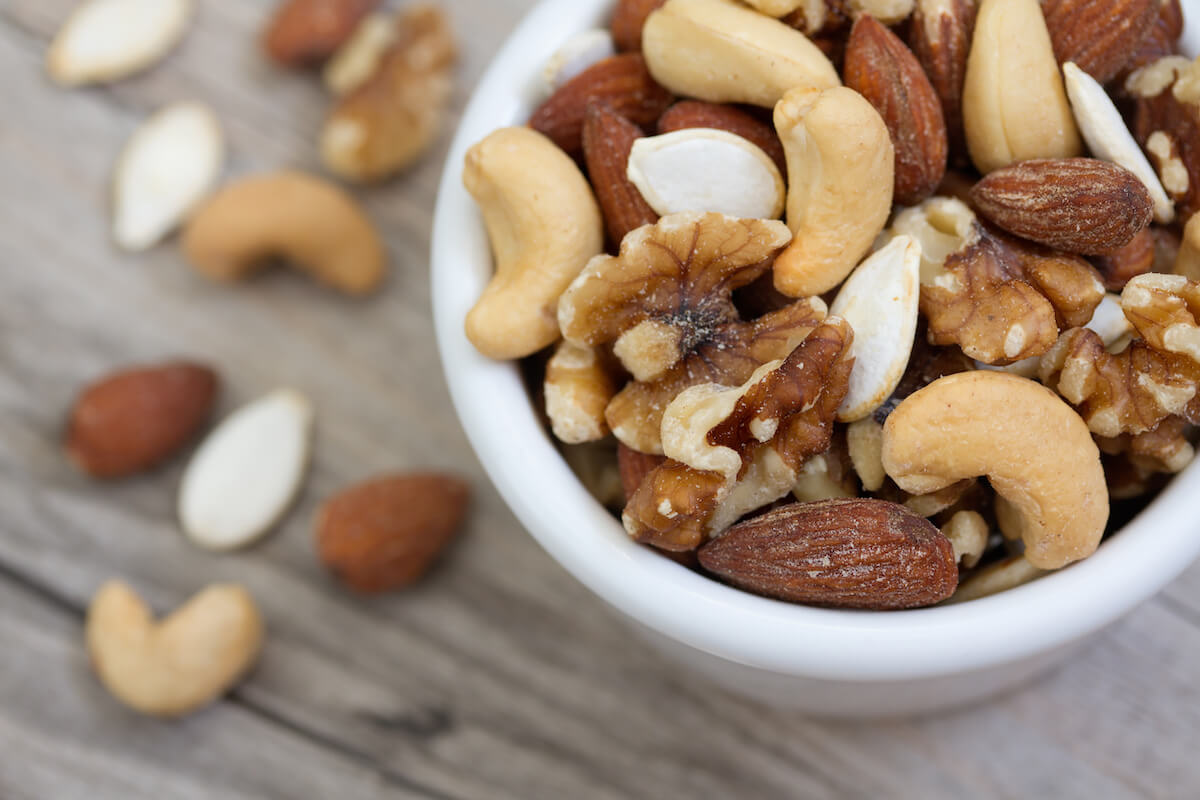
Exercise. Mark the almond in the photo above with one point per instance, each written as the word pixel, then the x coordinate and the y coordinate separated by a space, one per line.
pixel 621 81
pixel 634 466
pixel 1080 205
pixel 882 69
pixel 1100 36
pixel 607 139
pixel 575 55
pixel 309 31
pixel 628 19
pixel 842 553
pixel 698 114
pixel 940 38
pixel 1161 40
pixel 1135 258
pixel 385 534
pixel 132 420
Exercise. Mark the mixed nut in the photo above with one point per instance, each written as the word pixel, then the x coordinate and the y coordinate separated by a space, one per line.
pixel 975 335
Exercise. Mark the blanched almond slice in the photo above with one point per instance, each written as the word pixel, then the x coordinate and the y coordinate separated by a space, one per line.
pixel 105 40
pixel 577 54
pixel 246 473
pixel 166 168
pixel 1109 138
pixel 704 169
pixel 879 300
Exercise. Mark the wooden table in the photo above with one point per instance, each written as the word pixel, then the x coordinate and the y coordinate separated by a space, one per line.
pixel 499 677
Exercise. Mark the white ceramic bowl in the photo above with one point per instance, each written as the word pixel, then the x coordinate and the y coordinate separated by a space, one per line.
pixel 822 661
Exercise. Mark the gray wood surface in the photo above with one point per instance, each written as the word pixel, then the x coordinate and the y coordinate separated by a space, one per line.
pixel 499 677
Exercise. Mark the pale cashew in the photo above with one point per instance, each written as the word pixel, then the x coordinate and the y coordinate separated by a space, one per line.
pixel 1014 103
pixel 841 165
pixel 1034 449
pixel 544 226
pixel 309 223
pixel 864 443
pixel 180 664
pixel 723 52
pixel 968 534
pixel 995 578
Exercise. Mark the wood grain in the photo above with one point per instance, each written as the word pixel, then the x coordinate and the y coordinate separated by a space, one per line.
pixel 499 677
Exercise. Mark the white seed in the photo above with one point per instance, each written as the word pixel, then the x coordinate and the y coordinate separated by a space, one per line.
pixel 703 169
pixel 106 40
pixel 1109 321
pixel 246 473
pixel 879 300
pixel 577 54
pixel 168 165
pixel 1108 138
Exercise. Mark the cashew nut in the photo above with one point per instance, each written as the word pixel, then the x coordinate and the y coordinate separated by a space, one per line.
pixel 308 222
pixel 841 164
pixel 723 52
pixel 1014 103
pixel 180 664
pixel 1036 451
pixel 544 226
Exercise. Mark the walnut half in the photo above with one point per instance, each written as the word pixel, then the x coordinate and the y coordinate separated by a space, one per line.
pixel 733 450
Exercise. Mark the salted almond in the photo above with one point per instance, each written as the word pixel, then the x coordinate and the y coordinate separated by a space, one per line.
pixel 607 139
pixel 1080 205
pixel 629 17
pixel 247 472
pixel 1109 138
pixel 577 54
pixel 704 169
pixel 1098 35
pixel 879 300
pixel 1119 266
pixel 168 166
pixel 940 37
pixel 302 32
pixel 106 40
pixel 843 553
pixel 882 69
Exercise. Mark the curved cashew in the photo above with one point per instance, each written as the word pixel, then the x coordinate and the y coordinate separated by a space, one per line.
pixel 178 665
pixel 841 165
pixel 308 222
pixel 544 226
pixel 1037 453
pixel 723 52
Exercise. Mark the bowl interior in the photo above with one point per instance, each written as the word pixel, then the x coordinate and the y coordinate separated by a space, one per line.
pixel 522 461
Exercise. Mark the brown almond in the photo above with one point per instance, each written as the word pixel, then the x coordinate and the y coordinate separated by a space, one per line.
pixel 698 114
pixel 940 38
pixel 844 553
pixel 1135 258
pixel 634 466
pixel 629 17
pixel 607 139
pixel 1080 205
pixel 882 69
pixel 1161 40
pixel 622 81
pixel 135 419
pixel 305 32
pixel 385 534
pixel 1100 36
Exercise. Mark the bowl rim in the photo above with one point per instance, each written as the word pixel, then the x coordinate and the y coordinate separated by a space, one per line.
pixel 525 466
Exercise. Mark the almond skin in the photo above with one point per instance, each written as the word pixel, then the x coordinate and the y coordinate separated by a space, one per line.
pixel 940 38
pixel 844 553
pixel 308 31
pixel 698 114
pixel 882 69
pixel 1100 36
pixel 132 420
pixel 1080 205
pixel 607 139
pixel 623 82
pixel 385 534
pixel 628 19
